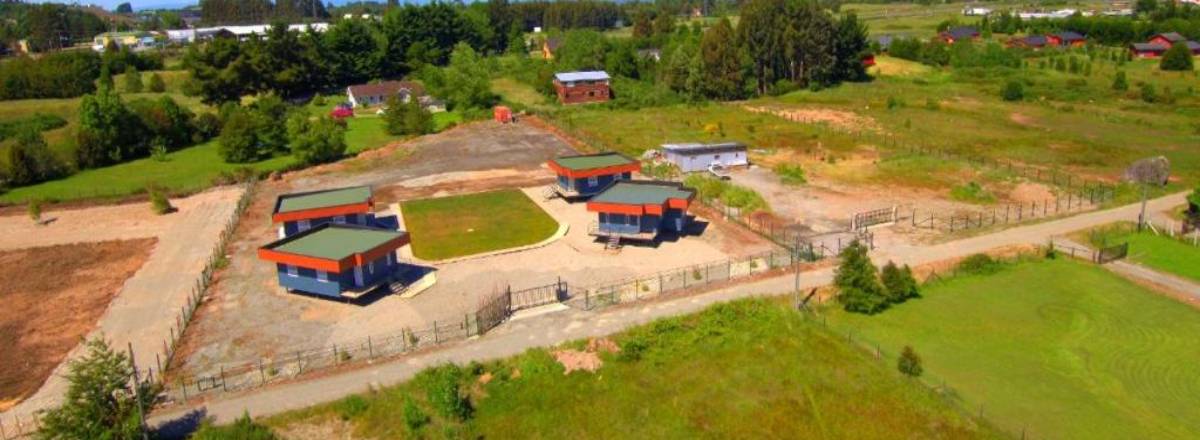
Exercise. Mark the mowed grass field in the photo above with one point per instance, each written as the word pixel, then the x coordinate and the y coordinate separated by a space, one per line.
pixel 748 369
pixel 1057 348
pixel 456 226
pixel 1158 252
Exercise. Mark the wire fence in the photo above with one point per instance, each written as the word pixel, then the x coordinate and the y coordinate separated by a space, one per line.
pixel 1009 213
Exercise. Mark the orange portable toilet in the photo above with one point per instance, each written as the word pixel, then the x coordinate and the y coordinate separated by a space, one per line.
pixel 502 114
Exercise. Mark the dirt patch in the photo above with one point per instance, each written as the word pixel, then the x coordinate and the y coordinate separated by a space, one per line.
pixel 841 119
pixel 588 359
pixel 52 297
pixel 456 183
pixel 328 429
pixel 1030 192
pixel 1022 119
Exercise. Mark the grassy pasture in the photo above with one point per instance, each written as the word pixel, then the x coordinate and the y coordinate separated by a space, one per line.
pixel 749 369
pixel 456 226
pixel 1096 357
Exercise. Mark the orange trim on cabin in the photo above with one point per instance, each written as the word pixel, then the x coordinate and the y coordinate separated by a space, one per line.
pixel 615 208
pixel 300 260
pixel 581 174
pixel 679 203
pixel 379 251
pixel 329 211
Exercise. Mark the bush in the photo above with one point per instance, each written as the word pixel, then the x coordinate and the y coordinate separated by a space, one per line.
pixel 790 174
pixel 1013 91
pixel 414 418
pixel 35 210
pixel 1120 84
pixel 159 202
pixel 1178 58
pixel 441 387
pixel 156 84
pixel 1148 93
pixel 909 362
pixel 206 126
pixel 241 429
pixel 315 142
pixel 133 80
pixel 899 283
pixel 978 264
pixel 734 196
pixel 29 160
pixel 352 406
pixel 858 285
pixel 38 122
pixel 972 192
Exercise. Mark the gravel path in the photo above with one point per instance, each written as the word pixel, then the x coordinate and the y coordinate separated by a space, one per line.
pixel 550 329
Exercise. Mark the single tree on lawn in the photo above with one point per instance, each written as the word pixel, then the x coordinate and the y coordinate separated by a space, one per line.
pixel 239 141
pixel 909 362
pixel 1014 91
pixel 315 141
pixel 156 84
pixel 100 401
pixel 858 285
pixel 393 116
pixel 1177 58
pixel 417 120
pixel 899 283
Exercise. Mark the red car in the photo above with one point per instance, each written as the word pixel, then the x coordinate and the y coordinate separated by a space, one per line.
pixel 342 112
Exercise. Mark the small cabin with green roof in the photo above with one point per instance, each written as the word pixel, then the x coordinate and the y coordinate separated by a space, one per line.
pixel 587 174
pixel 336 260
pixel 299 212
pixel 641 210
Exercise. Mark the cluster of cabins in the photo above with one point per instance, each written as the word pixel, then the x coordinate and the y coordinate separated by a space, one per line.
pixel 332 245
pixel 1158 44
pixel 628 209
pixel 1065 39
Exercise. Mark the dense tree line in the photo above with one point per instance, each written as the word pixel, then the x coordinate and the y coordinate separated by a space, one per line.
pixel 799 42
pixel 214 12
pixel 47 25
pixel 56 75
pixel 112 131
pixel 1114 31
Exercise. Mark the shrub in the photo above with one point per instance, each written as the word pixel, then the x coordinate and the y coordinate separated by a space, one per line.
pixel 414 418
pixel 899 283
pixel 352 406
pixel 1013 91
pixel 156 84
pixel 858 285
pixel 133 80
pixel 1177 58
pixel 978 264
pixel 790 174
pixel 1148 93
pixel 242 429
pixel 35 210
pixel 972 192
pixel 158 201
pixel 1120 84
pixel 441 386
pixel 909 362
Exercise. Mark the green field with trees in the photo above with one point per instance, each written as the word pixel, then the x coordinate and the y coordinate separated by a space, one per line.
pixel 746 369
pixel 1052 348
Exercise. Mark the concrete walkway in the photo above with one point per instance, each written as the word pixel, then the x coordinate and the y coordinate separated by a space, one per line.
pixel 546 330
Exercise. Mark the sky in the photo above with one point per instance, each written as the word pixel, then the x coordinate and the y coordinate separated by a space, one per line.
pixel 149 4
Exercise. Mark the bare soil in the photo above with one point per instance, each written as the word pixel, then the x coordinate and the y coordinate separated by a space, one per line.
pixel 1030 192
pixel 840 119
pixel 52 297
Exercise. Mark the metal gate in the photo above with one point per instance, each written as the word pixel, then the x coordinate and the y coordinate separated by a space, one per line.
pixel 866 219
pixel 1112 253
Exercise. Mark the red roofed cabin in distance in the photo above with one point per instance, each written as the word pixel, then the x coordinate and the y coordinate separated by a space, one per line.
pixel 956 34
pixel 582 87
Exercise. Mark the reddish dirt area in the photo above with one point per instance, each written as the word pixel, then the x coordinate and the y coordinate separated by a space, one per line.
pixel 52 297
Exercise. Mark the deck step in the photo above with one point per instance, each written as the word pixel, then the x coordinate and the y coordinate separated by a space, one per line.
pixel 614 242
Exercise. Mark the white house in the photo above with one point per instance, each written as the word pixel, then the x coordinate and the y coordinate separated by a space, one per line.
pixel 699 157
pixel 367 95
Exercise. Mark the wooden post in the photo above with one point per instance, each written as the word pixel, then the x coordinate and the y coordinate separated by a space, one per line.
pixel 371 348
pixel 262 375
pixel 437 340
pixel 299 365
pixel 223 388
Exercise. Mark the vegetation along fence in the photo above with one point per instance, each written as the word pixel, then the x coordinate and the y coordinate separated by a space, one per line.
pixel 793 236
pixel 1008 213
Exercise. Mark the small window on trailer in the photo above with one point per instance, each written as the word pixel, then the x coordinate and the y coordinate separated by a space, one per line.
pixel 292 271
pixel 322 276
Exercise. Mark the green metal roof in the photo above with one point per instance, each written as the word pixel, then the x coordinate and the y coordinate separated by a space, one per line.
pixel 336 243
pixel 323 199
pixel 592 161
pixel 643 193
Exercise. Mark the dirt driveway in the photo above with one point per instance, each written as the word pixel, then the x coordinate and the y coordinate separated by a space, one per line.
pixel 248 315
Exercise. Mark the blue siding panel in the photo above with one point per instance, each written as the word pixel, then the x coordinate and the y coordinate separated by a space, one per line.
pixel 367 219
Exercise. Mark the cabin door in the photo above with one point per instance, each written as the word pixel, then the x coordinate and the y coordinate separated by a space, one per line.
pixel 358 276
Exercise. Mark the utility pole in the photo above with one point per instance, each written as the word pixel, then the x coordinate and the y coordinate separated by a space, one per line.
pixel 1142 215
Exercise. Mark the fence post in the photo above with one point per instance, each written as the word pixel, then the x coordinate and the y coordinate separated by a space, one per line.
pixel 223 387
pixel 437 340
pixel 183 388
pixel 299 365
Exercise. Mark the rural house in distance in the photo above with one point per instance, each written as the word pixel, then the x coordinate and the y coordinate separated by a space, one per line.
pixel 694 157
pixel 640 211
pixel 581 87
pixel 300 212
pixel 368 95
pixel 337 261
pixel 588 174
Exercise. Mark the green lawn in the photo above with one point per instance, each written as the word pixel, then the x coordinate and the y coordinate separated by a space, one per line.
pixel 186 170
pixel 748 369
pixel 1162 253
pixel 1059 348
pixel 470 224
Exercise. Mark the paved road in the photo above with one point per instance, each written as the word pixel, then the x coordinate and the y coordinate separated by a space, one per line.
pixel 551 329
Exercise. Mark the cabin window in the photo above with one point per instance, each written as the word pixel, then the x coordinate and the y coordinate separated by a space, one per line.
pixel 303 225
pixel 371 268
pixel 633 220
pixel 292 271
pixel 389 258
pixel 593 181
pixel 339 219
pixel 322 276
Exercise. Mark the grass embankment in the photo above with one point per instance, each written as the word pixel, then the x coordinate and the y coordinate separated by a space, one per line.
pixel 1057 348
pixel 1156 251
pixel 710 189
pixel 748 369
pixel 449 227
